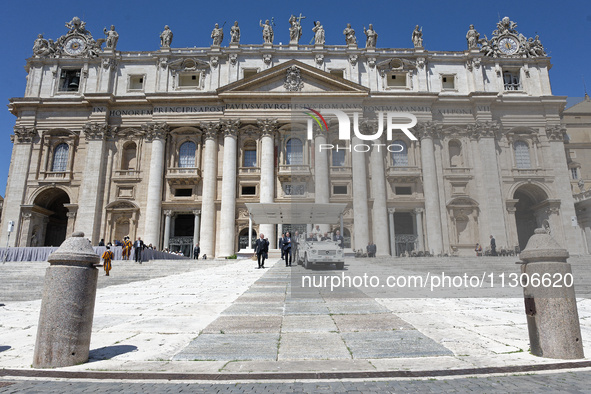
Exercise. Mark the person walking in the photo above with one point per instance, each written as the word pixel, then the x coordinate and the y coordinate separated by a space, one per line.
pixel 107 257
pixel 261 247
pixel 281 245
pixel 196 251
pixel 127 245
pixel 138 247
pixel 493 246
pixel 287 249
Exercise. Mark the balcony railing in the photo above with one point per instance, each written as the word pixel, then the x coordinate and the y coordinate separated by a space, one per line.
pixel 249 171
pixel 287 171
pixel 56 176
pixel 127 174
pixel 183 175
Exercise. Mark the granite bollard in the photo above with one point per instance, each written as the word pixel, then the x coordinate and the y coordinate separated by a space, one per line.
pixel 550 303
pixel 67 307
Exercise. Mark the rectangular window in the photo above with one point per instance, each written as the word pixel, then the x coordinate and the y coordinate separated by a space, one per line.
pixel 511 79
pixel 249 190
pixel 339 189
pixel 189 80
pixel 250 158
pixel 396 80
pixel 448 82
pixel 136 82
pixel 338 73
pixel 574 173
pixel 183 192
pixel 294 190
pixel 403 190
pixel 69 80
pixel 249 72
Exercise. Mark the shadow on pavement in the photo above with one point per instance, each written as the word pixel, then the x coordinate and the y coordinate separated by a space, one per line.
pixel 4 348
pixel 108 352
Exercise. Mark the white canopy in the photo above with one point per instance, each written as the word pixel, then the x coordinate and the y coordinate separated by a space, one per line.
pixel 295 213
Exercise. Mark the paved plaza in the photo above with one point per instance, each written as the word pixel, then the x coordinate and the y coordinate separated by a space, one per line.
pixel 227 318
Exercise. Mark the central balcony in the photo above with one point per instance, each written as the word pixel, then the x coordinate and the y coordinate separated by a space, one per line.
pixel 403 174
pixel 183 176
pixel 291 172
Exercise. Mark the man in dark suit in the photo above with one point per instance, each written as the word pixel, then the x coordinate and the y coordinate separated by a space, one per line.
pixel 261 247
pixel 138 247
pixel 281 245
pixel 339 238
pixel 196 252
pixel 493 246
pixel 287 249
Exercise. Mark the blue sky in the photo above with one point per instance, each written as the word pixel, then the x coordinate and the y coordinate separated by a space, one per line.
pixel 564 28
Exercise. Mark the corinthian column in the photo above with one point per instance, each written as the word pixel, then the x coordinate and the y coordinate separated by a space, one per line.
pixel 157 133
pixel 360 210
pixel 23 139
pixel 379 211
pixel 210 169
pixel 268 127
pixel 321 177
pixel 431 189
pixel 228 208
pixel 90 203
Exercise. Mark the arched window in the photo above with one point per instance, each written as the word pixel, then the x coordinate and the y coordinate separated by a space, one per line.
pixel 522 159
pixel 250 154
pixel 294 152
pixel 455 154
pixel 60 158
pixel 187 155
pixel 400 154
pixel 338 157
pixel 128 159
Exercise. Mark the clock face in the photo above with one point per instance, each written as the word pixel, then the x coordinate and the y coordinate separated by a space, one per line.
pixel 74 46
pixel 508 45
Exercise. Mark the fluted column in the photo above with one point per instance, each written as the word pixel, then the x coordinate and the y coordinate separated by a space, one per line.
pixel 392 231
pixel 321 175
pixel 379 211
pixel 431 189
pixel 23 140
pixel 91 190
pixel 157 133
pixel 167 215
pixel 360 210
pixel 419 224
pixel 228 208
pixel 268 128
pixel 197 213
pixel 210 169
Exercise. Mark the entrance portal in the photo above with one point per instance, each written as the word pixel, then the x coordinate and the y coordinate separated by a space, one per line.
pixel 527 217
pixel 54 231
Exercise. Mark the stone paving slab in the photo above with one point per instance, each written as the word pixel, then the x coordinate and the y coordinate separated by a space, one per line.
pixel 288 366
pixel 362 307
pixel 373 322
pixel 392 344
pixel 244 324
pixel 308 323
pixel 306 309
pixel 231 347
pixel 258 297
pixel 254 309
pixel 310 346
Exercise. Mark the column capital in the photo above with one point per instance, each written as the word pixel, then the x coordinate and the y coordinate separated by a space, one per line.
pixel 428 129
pixel 196 212
pixel 210 130
pixel 23 134
pixel 95 131
pixel 268 126
pixel 391 210
pixel 168 212
pixel 418 211
pixel 71 215
pixel 487 129
pixel 555 132
pixel 230 127
pixel 156 130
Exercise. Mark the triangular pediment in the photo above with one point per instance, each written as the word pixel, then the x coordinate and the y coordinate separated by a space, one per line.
pixel 308 81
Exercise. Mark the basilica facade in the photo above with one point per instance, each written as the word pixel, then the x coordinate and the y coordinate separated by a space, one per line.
pixel 170 145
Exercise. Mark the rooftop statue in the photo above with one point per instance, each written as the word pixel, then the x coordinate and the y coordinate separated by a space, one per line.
pixel 318 30
pixel 473 37
pixel 43 47
pixel 217 35
pixel 267 32
pixel 372 36
pixel 295 28
pixel 166 37
pixel 112 38
pixel 235 34
pixel 349 33
pixel 417 37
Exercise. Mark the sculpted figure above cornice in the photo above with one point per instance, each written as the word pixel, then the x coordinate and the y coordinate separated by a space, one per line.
pixel 268 126
pixel 98 131
pixel 23 134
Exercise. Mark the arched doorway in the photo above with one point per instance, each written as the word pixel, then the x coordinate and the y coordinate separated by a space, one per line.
pixel 529 215
pixel 52 220
pixel 243 238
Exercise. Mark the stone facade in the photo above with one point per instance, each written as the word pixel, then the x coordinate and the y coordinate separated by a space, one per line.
pixel 169 145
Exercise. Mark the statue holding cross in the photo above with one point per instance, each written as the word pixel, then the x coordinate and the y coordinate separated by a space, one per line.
pixel 295 28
